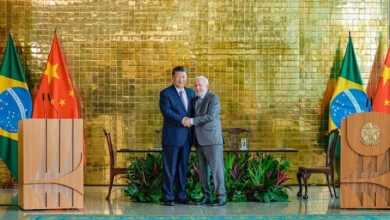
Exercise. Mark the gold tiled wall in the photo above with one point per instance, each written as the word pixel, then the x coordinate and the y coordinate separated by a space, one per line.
pixel 271 62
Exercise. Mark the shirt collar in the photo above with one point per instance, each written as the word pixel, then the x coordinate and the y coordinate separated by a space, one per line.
pixel 178 90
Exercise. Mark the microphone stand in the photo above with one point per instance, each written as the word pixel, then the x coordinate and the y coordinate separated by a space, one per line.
pixel 48 95
pixel 43 105
pixel 44 116
pixel 59 134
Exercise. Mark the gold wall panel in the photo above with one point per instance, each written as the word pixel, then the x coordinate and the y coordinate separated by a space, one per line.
pixel 271 62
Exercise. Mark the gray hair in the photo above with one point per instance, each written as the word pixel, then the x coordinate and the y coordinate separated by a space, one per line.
pixel 202 78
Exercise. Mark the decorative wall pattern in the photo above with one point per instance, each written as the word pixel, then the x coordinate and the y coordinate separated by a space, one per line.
pixel 273 63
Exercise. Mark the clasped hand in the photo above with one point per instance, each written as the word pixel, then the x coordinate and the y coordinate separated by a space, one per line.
pixel 186 122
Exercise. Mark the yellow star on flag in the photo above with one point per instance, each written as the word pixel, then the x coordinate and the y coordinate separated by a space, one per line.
pixel 52 101
pixel 51 71
pixel 62 102
pixel 71 93
pixel 385 74
pixel 387 102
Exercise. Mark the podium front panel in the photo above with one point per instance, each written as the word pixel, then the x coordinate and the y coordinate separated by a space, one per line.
pixel 365 161
pixel 50 164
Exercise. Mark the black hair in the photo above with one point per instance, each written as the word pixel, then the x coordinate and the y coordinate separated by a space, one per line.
pixel 179 69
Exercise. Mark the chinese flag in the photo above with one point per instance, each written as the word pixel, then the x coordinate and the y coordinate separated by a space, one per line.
pixel 56 86
pixel 55 93
pixel 382 97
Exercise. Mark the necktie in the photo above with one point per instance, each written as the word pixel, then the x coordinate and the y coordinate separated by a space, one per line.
pixel 182 99
pixel 197 102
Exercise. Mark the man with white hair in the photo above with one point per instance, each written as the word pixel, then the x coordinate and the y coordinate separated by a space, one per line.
pixel 208 141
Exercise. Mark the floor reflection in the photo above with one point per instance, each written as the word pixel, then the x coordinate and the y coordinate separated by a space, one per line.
pixel 319 202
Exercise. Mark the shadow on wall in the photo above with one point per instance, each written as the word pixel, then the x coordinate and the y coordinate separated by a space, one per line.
pixel 322 139
pixel 376 69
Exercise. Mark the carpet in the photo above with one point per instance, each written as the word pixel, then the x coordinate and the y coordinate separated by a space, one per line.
pixel 230 217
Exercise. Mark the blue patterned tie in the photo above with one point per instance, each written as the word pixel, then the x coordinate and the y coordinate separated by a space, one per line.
pixel 182 99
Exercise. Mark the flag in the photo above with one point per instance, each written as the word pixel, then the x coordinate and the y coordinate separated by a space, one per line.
pixel 15 105
pixel 382 97
pixel 55 95
pixel 349 96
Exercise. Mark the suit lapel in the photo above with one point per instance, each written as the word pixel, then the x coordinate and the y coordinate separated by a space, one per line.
pixel 188 93
pixel 193 102
pixel 190 98
pixel 203 102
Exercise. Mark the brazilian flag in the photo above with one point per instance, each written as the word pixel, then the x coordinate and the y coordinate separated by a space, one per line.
pixel 349 96
pixel 15 105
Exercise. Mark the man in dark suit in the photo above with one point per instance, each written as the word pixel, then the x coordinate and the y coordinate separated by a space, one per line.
pixel 175 105
pixel 208 141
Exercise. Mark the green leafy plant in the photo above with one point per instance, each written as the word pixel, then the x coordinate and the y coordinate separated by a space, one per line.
pixel 247 178
pixel 236 177
pixel 266 178
pixel 193 186
pixel 144 177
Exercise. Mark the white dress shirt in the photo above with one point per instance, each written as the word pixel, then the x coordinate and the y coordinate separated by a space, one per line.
pixel 185 97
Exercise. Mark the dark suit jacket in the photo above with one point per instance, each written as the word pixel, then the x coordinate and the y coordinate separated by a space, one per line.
pixel 173 110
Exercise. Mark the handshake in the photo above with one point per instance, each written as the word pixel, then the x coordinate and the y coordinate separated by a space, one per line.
pixel 186 122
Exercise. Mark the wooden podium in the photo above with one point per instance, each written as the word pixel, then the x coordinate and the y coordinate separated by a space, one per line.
pixel 365 161
pixel 50 164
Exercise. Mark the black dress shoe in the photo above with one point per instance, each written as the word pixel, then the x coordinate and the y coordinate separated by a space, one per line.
pixel 185 202
pixel 219 202
pixel 204 201
pixel 169 203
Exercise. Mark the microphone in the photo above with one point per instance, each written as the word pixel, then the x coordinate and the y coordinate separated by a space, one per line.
pixel 48 96
pixel 43 105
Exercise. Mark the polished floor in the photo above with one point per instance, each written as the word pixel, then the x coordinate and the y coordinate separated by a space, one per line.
pixel 319 202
